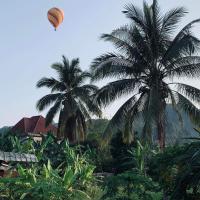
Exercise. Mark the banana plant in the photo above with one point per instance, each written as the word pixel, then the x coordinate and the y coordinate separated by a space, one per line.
pixel 140 155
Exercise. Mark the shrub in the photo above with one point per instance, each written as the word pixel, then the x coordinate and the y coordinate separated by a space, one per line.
pixel 131 185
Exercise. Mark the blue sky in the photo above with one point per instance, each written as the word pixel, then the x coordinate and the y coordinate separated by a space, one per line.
pixel 29 45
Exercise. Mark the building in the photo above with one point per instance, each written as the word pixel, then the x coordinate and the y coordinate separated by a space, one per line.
pixel 6 157
pixel 34 126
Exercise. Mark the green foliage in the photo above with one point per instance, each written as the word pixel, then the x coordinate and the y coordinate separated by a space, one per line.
pixel 131 185
pixel 187 182
pixel 6 141
pixel 121 156
pixel 4 130
pixel 177 171
pixel 45 182
pixel 96 128
pixel 149 56
pixel 164 167
pixel 97 156
pixel 140 155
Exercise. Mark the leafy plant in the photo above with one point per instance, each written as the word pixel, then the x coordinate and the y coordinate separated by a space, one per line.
pixel 72 180
pixel 45 183
pixel 131 185
pixel 120 153
pixel 177 171
pixel 140 155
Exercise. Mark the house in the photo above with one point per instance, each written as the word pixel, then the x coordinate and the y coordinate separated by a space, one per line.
pixel 6 157
pixel 34 126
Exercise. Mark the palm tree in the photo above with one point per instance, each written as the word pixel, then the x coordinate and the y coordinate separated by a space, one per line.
pixel 71 98
pixel 149 57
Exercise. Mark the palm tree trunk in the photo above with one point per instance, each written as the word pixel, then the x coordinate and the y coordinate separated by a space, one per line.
pixel 147 134
pixel 161 131
pixel 70 129
pixel 63 118
pixel 59 131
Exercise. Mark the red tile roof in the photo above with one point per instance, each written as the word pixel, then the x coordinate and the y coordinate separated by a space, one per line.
pixel 34 124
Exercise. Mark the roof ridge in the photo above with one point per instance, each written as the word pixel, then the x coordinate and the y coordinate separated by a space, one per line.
pixel 36 116
pixel 37 122
pixel 24 121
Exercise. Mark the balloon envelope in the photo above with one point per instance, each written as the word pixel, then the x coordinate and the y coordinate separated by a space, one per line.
pixel 55 17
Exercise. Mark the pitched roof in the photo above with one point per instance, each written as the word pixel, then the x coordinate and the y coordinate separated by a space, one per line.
pixel 35 124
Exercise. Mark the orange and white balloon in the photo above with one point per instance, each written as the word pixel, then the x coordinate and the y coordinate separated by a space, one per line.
pixel 55 17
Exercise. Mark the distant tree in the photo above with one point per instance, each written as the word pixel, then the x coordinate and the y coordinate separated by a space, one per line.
pixel 150 57
pixel 71 98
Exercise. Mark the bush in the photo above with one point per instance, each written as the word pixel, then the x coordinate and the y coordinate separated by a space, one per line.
pixel 43 182
pixel 131 185
pixel 120 153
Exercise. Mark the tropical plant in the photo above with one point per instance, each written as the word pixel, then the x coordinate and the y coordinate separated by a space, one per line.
pixel 122 161
pixel 164 166
pixel 131 185
pixel 71 98
pixel 177 171
pixel 187 181
pixel 72 179
pixel 150 56
pixel 140 155
pixel 47 184
pixel 6 141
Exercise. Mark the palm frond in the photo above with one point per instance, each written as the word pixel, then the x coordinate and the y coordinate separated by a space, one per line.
pixel 111 65
pixel 58 67
pixel 171 19
pixel 128 134
pixel 59 86
pixel 124 44
pixel 91 105
pixel 80 78
pixel 46 82
pixel 188 66
pixel 189 108
pixel 183 43
pixel 114 90
pixel 174 104
pixel 47 100
pixel 135 14
pixel 75 63
pixel 133 114
pixel 65 62
pixel 118 119
pixel 189 91
pixel 87 89
pixel 52 112
pixel 84 110
pixel 156 13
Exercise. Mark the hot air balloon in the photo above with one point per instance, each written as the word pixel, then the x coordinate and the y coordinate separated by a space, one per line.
pixel 55 16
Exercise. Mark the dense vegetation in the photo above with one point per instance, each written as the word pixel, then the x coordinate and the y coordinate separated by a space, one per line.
pixel 85 171
pixel 134 165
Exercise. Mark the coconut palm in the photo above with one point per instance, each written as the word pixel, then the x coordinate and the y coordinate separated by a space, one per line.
pixel 71 98
pixel 148 59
